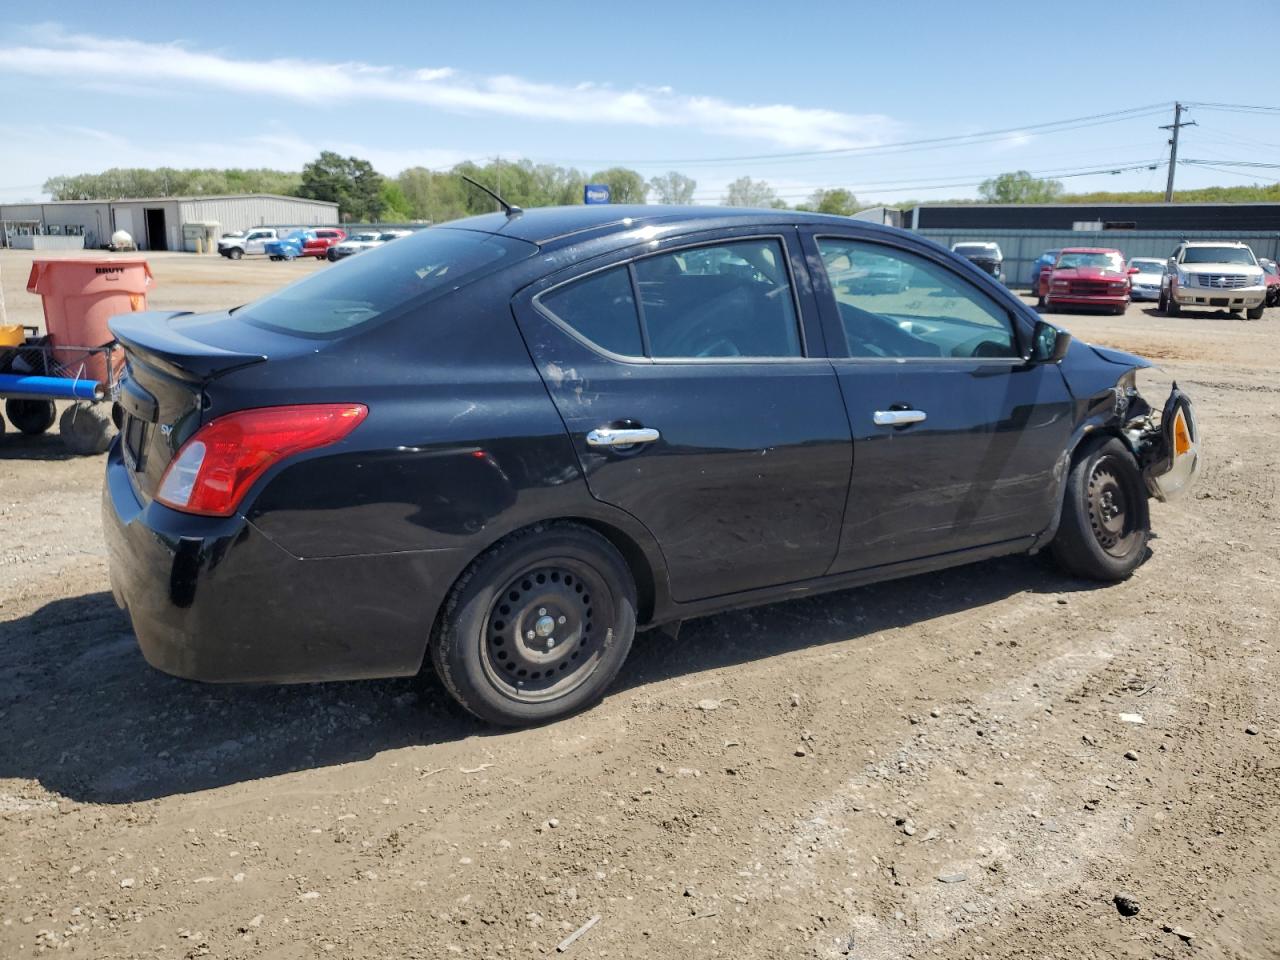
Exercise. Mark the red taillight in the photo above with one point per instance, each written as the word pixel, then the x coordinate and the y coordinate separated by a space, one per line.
pixel 215 468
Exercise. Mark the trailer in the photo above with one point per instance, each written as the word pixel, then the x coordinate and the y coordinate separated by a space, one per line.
pixel 32 380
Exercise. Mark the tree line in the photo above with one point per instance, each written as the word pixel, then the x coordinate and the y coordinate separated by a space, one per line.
pixel 419 194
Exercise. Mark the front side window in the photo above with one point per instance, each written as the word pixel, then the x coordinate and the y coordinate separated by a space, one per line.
pixel 893 303
pixel 730 299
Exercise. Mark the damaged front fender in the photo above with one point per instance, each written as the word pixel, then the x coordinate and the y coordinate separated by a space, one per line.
pixel 1168 449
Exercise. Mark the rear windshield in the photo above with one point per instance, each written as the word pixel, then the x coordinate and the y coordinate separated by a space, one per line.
pixel 361 289
pixel 1218 255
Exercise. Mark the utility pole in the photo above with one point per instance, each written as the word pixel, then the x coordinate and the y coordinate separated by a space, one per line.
pixel 1173 146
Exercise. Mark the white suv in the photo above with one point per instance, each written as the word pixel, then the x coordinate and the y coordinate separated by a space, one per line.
pixel 1211 273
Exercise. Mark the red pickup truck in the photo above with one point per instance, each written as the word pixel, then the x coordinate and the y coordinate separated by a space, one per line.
pixel 325 238
pixel 1089 277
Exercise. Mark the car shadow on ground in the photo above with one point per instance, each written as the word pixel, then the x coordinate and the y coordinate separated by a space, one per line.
pixel 45 446
pixel 85 716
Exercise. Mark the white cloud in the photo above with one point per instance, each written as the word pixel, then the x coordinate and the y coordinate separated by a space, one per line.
pixel 101 59
pixel 1013 141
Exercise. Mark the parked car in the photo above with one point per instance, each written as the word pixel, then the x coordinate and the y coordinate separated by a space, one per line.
pixel 1144 284
pixel 366 240
pixel 1040 268
pixel 325 238
pixel 1089 277
pixel 290 246
pixel 253 242
pixel 476 444
pixel 1272 279
pixel 1211 273
pixel 985 256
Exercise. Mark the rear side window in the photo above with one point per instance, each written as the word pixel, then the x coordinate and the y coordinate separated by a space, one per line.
pixel 727 300
pixel 713 302
pixel 602 309
pixel 335 301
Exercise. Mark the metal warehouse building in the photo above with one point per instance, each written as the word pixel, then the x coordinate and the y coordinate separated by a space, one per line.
pixel 159 223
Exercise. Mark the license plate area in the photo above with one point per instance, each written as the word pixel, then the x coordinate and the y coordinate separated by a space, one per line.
pixel 134 445
pixel 1219 301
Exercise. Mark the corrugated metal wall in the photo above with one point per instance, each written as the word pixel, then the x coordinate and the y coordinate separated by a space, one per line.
pixel 242 213
pixel 1021 247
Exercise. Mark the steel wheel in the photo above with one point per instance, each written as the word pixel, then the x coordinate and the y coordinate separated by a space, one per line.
pixel 1110 510
pixel 544 633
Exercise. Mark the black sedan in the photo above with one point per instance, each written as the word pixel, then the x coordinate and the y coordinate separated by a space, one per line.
pixel 511 441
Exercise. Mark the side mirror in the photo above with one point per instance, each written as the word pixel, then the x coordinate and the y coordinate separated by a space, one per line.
pixel 1048 343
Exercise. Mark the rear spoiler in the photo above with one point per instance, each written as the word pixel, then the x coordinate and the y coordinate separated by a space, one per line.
pixel 150 337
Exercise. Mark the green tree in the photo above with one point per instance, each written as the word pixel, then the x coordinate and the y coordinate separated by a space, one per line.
pixel 120 182
pixel 673 187
pixel 1019 187
pixel 837 200
pixel 350 182
pixel 625 186
pixel 394 204
pixel 745 192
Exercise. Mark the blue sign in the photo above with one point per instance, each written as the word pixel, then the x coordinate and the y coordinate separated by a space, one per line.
pixel 595 193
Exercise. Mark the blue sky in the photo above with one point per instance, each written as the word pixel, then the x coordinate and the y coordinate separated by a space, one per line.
pixel 716 90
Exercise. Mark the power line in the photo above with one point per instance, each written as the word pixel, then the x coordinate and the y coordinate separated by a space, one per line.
pixel 1052 126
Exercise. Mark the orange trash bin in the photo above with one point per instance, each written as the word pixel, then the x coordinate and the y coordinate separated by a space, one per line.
pixel 80 296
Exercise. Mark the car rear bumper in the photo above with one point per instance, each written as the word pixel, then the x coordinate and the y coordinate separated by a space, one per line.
pixel 1246 298
pixel 215 599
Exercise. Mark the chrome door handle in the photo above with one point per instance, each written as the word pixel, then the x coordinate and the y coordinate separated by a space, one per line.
pixel 898 418
pixel 609 437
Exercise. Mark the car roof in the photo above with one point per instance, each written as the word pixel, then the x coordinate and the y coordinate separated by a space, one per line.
pixel 1090 250
pixel 557 225
pixel 1213 243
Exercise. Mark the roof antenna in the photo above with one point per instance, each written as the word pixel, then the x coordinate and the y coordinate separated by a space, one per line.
pixel 511 209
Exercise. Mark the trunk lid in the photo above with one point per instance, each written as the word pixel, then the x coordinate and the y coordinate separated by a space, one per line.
pixel 170 359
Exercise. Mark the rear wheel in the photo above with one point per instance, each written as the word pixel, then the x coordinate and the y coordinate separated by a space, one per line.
pixel 86 428
pixel 32 417
pixel 1105 522
pixel 538 627
pixel 1255 313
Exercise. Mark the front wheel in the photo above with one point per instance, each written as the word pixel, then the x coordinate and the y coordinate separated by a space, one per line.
pixel 1255 313
pixel 235 253
pixel 1105 522
pixel 538 626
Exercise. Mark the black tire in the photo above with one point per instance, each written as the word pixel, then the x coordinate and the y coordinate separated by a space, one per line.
pixel 492 649
pixel 1118 311
pixel 32 417
pixel 1105 521
pixel 1171 306
pixel 1255 313
pixel 86 428
pixel 235 253
pixel 331 255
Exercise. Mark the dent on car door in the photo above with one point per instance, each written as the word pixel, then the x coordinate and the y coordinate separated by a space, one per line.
pixel 956 436
pixel 684 381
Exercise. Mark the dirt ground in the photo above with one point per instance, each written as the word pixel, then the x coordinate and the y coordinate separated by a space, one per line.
pixel 937 767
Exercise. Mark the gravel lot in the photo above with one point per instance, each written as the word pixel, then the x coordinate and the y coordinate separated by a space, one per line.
pixel 937 767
